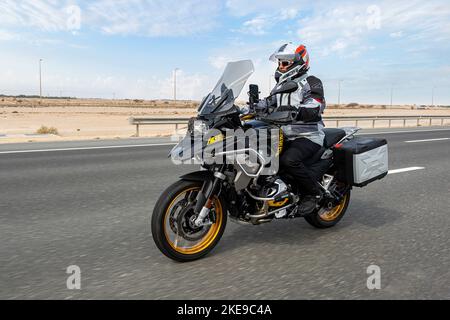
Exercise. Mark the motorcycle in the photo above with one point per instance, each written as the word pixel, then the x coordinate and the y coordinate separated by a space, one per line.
pixel 238 180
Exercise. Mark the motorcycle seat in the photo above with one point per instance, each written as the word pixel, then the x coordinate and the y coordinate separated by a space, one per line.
pixel 333 136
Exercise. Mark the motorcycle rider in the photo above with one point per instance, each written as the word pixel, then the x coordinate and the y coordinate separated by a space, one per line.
pixel 309 103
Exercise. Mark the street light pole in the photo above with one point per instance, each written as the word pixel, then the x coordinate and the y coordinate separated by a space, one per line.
pixel 40 79
pixel 175 84
pixel 339 92
pixel 432 96
pixel 392 95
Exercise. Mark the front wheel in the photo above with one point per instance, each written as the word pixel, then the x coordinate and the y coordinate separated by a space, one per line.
pixel 173 228
pixel 327 218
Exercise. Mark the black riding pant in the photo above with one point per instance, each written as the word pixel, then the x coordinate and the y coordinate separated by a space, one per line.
pixel 292 159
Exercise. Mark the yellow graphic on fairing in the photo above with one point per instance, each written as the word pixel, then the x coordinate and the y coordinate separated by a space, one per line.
pixel 280 143
pixel 215 139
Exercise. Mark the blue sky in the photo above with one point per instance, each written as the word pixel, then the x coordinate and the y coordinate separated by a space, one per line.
pixel 130 48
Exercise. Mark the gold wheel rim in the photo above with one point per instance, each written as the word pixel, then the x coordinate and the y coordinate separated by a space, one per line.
pixel 334 213
pixel 208 238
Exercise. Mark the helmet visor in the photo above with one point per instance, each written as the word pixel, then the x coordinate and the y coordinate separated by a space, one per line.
pixel 285 53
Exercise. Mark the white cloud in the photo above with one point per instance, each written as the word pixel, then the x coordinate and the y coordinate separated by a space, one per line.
pixel 47 15
pixel 427 20
pixel 219 62
pixel 288 14
pixel 258 52
pixel 153 18
pixel 267 15
pixel 339 45
pixel 397 34
pixel 421 30
pixel 189 86
pixel 6 36
pixel 256 26
pixel 283 8
pixel 335 27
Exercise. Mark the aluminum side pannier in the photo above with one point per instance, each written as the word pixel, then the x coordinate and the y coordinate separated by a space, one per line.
pixel 361 161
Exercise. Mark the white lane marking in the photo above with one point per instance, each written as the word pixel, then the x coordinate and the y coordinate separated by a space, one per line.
pixel 172 144
pixel 405 170
pixel 405 131
pixel 89 148
pixel 427 140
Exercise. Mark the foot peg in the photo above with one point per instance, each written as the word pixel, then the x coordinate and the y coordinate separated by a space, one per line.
pixel 309 204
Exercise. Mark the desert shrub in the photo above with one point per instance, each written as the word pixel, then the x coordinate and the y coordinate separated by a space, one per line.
pixel 47 130
pixel 383 107
pixel 352 105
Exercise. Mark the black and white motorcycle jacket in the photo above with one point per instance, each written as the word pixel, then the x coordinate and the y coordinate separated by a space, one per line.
pixel 309 102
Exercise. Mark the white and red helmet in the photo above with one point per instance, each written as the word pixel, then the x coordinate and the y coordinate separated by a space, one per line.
pixel 290 57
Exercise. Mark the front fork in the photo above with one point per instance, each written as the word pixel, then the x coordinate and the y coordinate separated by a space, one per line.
pixel 205 196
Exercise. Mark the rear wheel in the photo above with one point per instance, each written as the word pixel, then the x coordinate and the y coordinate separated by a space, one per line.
pixel 327 218
pixel 173 228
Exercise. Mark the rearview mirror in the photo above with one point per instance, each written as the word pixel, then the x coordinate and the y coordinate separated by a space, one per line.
pixel 286 87
pixel 253 93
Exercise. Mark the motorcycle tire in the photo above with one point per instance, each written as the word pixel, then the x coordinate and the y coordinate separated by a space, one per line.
pixel 162 214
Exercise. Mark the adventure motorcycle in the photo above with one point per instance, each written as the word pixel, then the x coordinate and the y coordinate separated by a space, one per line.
pixel 190 216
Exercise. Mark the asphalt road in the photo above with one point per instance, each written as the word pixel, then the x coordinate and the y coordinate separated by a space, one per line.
pixel 90 205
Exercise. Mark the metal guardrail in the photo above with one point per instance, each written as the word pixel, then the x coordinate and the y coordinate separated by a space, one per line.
pixel 356 119
pixel 155 121
pixel 404 119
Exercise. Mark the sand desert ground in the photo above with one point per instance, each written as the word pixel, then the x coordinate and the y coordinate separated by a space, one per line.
pixel 81 119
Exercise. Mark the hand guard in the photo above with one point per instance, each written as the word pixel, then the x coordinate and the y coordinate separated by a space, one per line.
pixel 261 106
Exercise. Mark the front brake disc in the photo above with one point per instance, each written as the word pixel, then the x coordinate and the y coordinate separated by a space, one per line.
pixel 183 223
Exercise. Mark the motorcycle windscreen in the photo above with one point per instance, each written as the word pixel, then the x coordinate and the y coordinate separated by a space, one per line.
pixel 228 88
